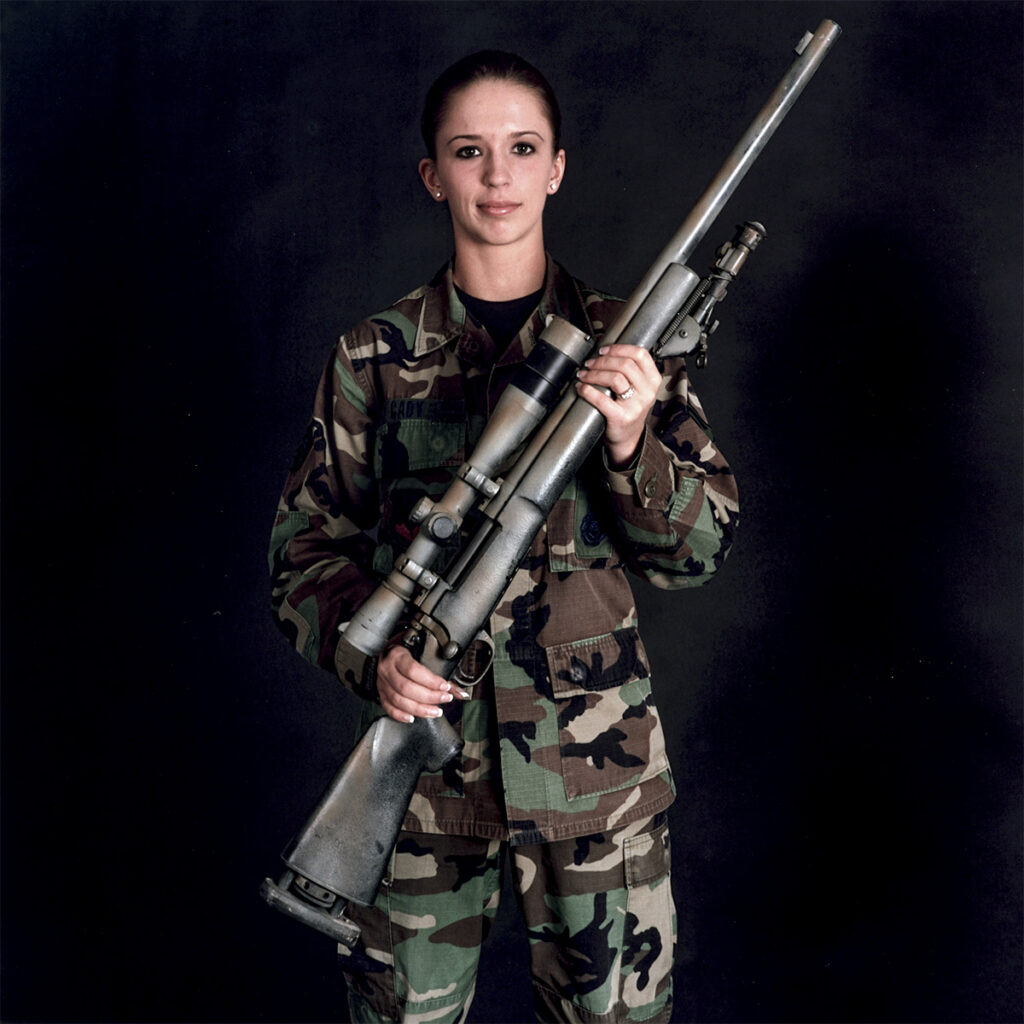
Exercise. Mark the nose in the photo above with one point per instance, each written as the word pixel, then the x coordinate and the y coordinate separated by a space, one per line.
pixel 496 170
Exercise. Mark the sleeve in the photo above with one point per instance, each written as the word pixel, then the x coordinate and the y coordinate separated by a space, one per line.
pixel 320 548
pixel 675 505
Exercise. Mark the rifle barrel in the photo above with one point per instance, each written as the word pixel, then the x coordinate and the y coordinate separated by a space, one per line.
pixel 680 247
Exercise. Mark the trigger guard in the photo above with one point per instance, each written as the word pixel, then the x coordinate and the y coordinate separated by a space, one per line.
pixel 475 661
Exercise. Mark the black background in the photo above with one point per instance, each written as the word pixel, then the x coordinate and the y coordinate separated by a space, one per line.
pixel 198 197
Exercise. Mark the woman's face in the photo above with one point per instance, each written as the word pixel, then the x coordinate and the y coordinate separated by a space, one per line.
pixel 495 164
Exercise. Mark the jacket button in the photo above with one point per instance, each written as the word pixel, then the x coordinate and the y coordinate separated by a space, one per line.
pixel 651 487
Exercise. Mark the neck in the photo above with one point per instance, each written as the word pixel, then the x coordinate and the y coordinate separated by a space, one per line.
pixel 497 273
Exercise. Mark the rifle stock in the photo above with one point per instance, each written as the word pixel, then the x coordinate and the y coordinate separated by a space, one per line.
pixel 342 851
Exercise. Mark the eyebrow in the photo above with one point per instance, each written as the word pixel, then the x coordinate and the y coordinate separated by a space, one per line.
pixel 514 135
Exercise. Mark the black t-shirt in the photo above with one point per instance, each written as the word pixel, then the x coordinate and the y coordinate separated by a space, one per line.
pixel 502 320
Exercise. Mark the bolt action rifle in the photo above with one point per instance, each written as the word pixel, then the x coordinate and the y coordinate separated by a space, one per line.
pixel 342 851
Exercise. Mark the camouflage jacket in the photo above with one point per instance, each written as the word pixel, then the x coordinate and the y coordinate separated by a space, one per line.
pixel 562 736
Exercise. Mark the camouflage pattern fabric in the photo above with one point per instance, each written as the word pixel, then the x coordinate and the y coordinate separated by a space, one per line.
pixel 562 737
pixel 598 912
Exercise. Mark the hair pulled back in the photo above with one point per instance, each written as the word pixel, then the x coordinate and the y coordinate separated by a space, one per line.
pixel 476 67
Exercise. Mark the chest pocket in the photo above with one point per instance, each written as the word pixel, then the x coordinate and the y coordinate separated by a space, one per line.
pixel 416 451
pixel 408 445
pixel 577 534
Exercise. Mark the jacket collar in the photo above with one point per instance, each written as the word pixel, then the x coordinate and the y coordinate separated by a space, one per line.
pixel 443 319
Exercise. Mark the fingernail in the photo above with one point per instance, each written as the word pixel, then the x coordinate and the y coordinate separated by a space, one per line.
pixel 434 712
pixel 447 697
pixel 463 694
pixel 603 350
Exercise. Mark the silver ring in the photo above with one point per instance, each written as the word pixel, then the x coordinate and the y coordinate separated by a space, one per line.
pixel 626 395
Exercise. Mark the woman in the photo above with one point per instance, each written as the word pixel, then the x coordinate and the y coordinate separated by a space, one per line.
pixel 564 765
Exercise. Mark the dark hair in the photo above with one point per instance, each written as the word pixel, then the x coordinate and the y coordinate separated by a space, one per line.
pixel 486 64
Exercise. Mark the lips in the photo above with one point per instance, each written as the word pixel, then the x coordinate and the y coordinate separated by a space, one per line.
pixel 497 208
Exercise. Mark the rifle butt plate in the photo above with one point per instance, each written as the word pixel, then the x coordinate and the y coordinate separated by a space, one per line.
pixel 333 924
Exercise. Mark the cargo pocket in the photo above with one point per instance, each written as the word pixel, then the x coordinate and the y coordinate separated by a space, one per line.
pixel 650 927
pixel 609 732
pixel 647 856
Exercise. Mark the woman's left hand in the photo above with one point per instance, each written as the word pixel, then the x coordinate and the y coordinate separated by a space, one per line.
pixel 630 373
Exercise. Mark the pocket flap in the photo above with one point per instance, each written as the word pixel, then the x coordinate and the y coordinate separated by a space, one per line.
pixel 648 856
pixel 412 445
pixel 598 663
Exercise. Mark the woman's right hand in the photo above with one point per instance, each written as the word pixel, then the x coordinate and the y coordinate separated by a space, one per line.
pixel 409 690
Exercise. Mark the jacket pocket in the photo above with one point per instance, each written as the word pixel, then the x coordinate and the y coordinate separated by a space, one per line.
pixel 409 445
pixel 577 537
pixel 609 731
pixel 413 456
pixel 648 857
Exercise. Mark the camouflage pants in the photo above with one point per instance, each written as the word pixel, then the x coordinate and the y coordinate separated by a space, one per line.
pixel 598 911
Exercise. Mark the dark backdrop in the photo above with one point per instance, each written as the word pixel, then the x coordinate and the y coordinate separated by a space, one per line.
pixel 197 199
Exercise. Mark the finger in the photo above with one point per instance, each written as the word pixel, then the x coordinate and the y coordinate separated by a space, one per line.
pixel 401 687
pixel 614 379
pixel 614 364
pixel 634 353
pixel 402 710
pixel 401 660
pixel 631 361
pixel 408 689
pixel 612 409
pixel 634 372
pixel 406 701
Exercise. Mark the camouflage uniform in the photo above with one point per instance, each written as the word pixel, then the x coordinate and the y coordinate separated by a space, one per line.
pixel 562 738
pixel 598 909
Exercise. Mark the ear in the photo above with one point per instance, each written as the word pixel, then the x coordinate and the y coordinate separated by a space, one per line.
pixel 557 172
pixel 428 175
